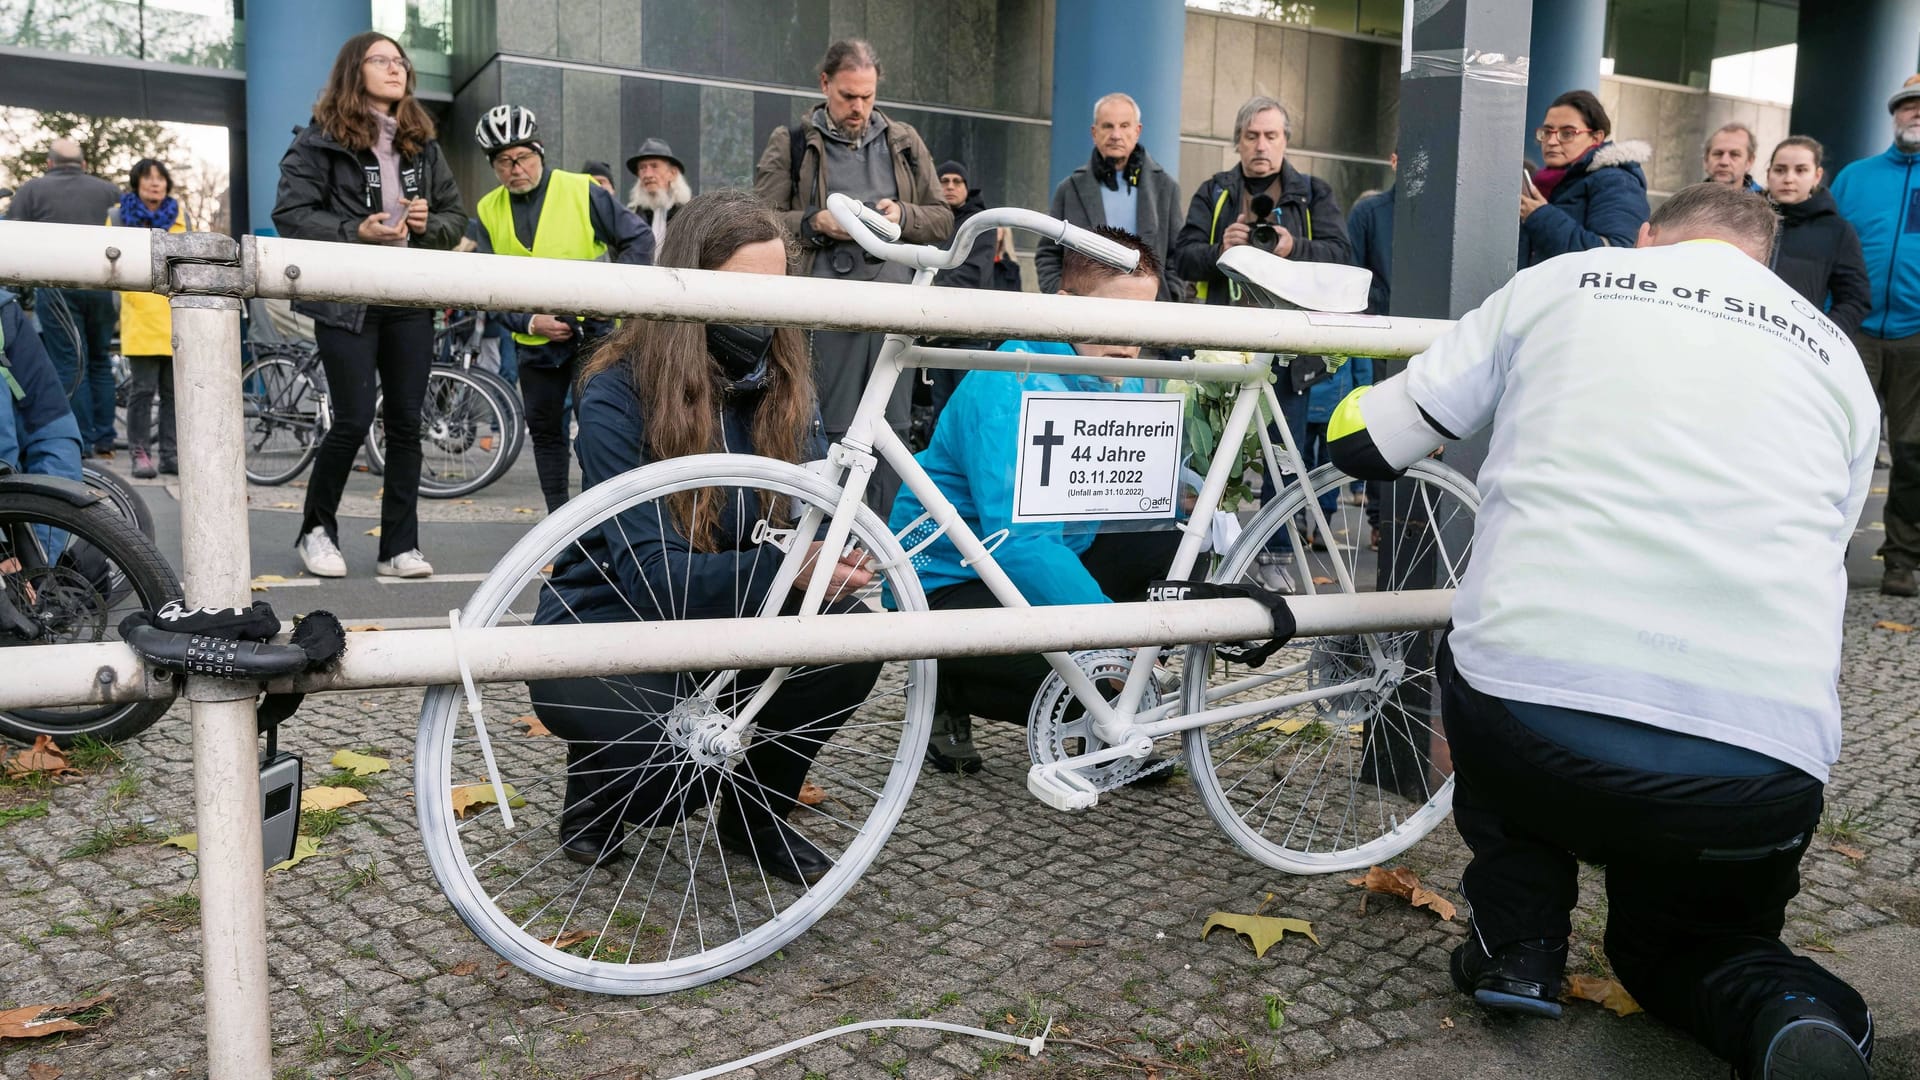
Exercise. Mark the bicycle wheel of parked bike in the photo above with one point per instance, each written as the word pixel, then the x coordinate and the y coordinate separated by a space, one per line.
pixel 463 435
pixel 1350 765
pixel 71 573
pixel 285 419
pixel 121 495
pixel 670 904
pixel 515 412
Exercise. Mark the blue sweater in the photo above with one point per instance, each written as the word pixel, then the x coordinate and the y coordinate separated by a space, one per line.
pixel 971 459
pixel 1880 196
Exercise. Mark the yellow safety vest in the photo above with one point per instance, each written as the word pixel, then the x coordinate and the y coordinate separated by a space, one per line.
pixel 564 231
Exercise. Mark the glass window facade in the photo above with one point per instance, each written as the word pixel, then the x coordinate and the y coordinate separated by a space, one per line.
pixel 1677 41
pixel 425 29
pixel 198 33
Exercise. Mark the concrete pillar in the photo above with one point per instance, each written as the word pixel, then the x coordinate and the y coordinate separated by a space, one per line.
pixel 1853 55
pixel 1564 54
pixel 290 49
pixel 1106 46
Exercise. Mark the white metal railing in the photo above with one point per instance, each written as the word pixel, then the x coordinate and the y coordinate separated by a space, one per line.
pixel 206 276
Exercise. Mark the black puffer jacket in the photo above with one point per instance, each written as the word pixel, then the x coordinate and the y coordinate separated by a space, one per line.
pixel 977 271
pixel 1818 253
pixel 323 195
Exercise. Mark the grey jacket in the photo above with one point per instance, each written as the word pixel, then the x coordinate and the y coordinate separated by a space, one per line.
pixel 1077 200
pixel 66 195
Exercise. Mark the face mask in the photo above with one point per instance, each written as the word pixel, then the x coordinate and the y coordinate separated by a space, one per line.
pixel 741 351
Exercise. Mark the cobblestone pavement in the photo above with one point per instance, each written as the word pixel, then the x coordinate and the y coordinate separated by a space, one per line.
pixel 980 910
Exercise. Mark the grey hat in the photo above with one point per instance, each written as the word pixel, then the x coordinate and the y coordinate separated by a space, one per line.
pixel 1907 92
pixel 656 148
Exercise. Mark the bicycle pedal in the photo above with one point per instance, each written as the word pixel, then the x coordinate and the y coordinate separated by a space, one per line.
pixel 1061 787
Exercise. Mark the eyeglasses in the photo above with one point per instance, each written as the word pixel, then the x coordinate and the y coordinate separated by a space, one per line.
pixel 503 163
pixel 1564 134
pixel 400 62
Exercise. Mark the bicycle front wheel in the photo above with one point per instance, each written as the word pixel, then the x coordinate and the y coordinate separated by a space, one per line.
pixel 1349 766
pixel 463 436
pixel 283 419
pixel 672 901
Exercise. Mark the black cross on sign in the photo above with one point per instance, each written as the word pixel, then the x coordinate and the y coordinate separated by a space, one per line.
pixel 1046 442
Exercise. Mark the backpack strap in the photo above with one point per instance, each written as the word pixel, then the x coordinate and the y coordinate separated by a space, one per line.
pixel 796 152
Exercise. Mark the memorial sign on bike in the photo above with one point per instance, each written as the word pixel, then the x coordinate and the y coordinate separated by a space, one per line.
pixel 1104 457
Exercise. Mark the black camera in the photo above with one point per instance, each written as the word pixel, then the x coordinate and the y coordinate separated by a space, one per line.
pixel 1264 233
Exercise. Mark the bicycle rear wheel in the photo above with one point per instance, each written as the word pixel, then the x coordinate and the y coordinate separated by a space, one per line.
pixel 285 419
pixel 463 436
pixel 121 496
pixel 673 907
pixel 1350 765
pixel 74 572
pixel 510 405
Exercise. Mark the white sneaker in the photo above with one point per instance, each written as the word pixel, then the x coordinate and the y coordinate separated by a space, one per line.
pixel 320 555
pixel 405 564
pixel 1269 571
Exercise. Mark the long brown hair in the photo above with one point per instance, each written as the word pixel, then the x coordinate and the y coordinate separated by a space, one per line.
pixel 679 384
pixel 344 109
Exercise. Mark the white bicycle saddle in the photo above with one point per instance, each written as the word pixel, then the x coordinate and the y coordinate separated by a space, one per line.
pixel 1275 282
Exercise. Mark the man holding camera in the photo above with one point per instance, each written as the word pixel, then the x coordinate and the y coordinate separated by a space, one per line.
pixel 1266 202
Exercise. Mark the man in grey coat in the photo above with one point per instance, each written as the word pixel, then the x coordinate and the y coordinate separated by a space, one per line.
pixel 1121 186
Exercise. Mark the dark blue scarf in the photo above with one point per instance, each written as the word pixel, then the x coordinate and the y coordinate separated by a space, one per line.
pixel 135 215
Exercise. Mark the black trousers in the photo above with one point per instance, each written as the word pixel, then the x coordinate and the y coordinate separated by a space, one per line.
pixel 544 389
pixel 152 374
pixel 620 765
pixel 1699 868
pixel 394 346
pixel 1002 687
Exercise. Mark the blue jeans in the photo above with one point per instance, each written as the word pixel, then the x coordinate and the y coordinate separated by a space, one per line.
pixel 77 327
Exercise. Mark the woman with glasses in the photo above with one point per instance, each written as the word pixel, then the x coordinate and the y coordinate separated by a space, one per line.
pixel 366 170
pixel 1818 252
pixel 1590 193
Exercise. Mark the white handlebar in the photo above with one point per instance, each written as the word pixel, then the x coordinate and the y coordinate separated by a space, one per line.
pixel 863 223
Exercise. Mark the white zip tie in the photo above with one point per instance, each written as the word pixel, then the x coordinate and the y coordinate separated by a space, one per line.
pixel 1033 1045
pixel 479 724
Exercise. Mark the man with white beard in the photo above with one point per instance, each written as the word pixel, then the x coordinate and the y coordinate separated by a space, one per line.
pixel 659 186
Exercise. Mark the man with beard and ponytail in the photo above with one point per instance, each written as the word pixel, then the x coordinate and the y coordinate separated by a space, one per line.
pixel 549 214
pixel 1120 186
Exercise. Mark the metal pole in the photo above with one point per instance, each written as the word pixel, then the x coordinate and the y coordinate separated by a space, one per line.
pixel 71 674
pixel 226 768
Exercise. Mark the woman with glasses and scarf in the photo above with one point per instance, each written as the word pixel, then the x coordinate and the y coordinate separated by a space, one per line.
pixel 652 392
pixel 146 323
pixel 366 170
pixel 1590 193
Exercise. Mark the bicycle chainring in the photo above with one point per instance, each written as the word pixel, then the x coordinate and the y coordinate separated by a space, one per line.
pixel 1058 728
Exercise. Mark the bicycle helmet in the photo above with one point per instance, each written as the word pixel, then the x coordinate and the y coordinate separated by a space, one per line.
pixel 505 127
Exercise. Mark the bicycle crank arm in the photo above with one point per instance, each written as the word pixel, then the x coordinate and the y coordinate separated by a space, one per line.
pixel 1060 785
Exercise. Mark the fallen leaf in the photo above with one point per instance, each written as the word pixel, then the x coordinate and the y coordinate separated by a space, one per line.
pixel 330 798
pixel 468 796
pixel 533 726
pixel 286 506
pixel 811 794
pixel 34 1021
pixel 1446 1021
pixel 1262 932
pixel 360 764
pixel 185 842
pixel 366 628
pixel 267 578
pixel 304 848
pixel 1284 727
pixel 1322 580
pixel 466 502
pixel 1405 884
pixel 1011 1022
pixel 1851 852
pixel 569 939
pixel 375 531
pixel 1896 627
pixel 40 1070
pixel 523 509
pixel 463 968
pixel 1607 993
pixel 1816 946
pixel 44 757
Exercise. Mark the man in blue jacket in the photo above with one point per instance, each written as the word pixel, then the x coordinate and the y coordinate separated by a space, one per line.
pixel 1881 197
pixel 38 433
pixel 972 458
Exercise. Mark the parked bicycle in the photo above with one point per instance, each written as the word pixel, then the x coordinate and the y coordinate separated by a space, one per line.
pixel 1328 755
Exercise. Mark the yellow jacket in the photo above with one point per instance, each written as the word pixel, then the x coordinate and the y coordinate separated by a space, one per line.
pixel 146 322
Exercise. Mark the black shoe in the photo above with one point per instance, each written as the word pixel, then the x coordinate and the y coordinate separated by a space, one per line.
pixel 1799 1037
pixel 777 846
pixel 592 849
pixel 587 834
pixel 950 747
pixel 1898 581
pixel 1523 977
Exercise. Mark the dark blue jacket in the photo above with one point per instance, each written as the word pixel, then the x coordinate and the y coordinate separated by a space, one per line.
pixel 1370 231
pixel 37 430
pixel 637 562
pixel 1600 202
